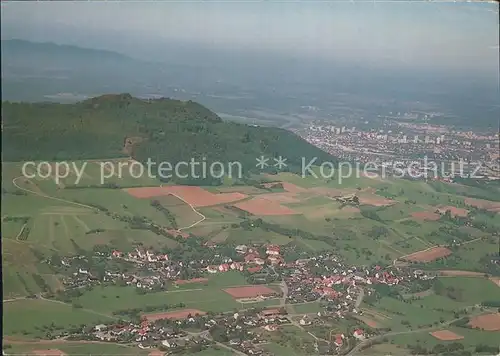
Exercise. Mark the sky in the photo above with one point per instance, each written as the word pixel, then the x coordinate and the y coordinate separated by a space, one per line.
pixel 449 36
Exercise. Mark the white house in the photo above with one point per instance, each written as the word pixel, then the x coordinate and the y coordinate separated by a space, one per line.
pixel 168 344
pixel 358 334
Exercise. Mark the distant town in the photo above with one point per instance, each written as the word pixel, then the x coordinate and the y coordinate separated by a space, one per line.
pixel 399 142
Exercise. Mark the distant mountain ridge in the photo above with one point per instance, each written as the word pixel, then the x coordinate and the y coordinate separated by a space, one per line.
pixel 37 71
pixel 16 46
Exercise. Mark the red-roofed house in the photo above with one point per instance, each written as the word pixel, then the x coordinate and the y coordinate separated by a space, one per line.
pixel 250 258
pixel 333 280
pixel 254 269
pixel 271 327
pixel 273 250
pixel 326 291
pixel 318 290
pixel 224 267
pixel 330 292
pixel 346 280
pixel 259 261
pixel 358 334
pixel 275 260
pixel 338 340
pixel 117 253
pixel 237 266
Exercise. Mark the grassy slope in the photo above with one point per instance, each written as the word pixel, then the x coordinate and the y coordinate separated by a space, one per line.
pixel 30 315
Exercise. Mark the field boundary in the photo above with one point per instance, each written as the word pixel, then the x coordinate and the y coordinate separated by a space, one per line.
pixel 48 196
pixel 203 217
pixel 43 195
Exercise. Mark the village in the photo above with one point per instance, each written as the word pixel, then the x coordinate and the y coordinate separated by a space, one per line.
pixel 323 278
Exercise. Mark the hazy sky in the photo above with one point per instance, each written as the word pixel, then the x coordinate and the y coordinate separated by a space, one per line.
pixel 419 35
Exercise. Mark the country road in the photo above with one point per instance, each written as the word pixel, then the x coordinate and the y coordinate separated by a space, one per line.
pixel 360 297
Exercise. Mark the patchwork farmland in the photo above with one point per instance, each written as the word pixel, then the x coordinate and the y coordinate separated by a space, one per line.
pixel 195 196
pixel 301 216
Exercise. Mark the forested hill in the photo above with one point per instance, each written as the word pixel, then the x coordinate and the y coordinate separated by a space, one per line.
pixel 161 129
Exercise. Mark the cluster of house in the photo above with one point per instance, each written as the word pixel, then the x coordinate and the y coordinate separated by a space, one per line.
pixel 82 276
pixel 326 278
pixel 321 278
pixel 138 255
pixel 248 325
pixel 250 347
pixel 253 258
pixel 252 262
pixel 339 340
pixel 145 261
pixel 244 331
pixel 166 269
pixel 147 335
pixel 171 335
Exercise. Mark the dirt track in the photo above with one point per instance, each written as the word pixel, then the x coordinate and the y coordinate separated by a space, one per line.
pixel 195 196
pixel 427 255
